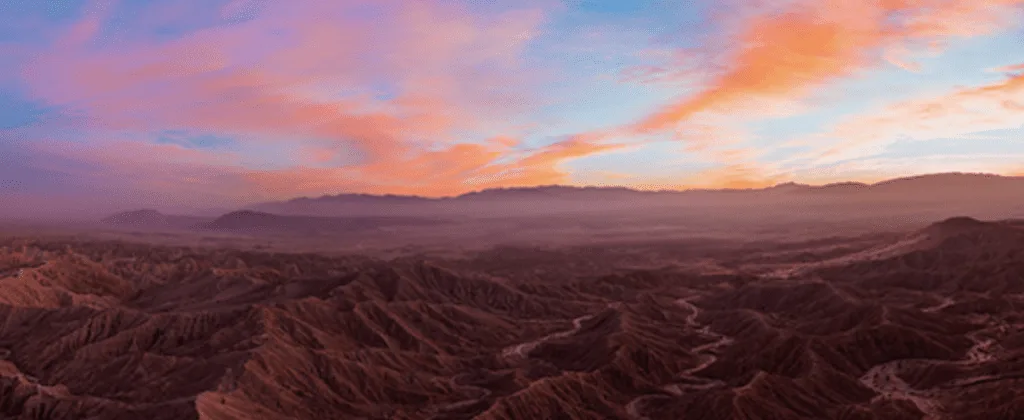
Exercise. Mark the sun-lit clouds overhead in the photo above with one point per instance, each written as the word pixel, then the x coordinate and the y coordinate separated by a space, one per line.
pixel 442 70
pixel 249 77
pixel 783 53
pixel 958 113
pixel 248 100
pixel 1009 69
pixel 771 57
pixel 447 171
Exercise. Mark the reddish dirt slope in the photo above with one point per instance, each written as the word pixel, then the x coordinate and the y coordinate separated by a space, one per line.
pixel 123 331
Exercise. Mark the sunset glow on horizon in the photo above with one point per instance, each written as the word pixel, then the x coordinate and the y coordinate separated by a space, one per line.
pixel 220 102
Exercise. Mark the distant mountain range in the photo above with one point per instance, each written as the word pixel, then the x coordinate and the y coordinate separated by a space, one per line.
pixel 923 198
pixel 945 186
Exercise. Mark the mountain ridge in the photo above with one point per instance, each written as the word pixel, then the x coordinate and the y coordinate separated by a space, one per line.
pixel 596 212
pixel 556 188
pixel 929 188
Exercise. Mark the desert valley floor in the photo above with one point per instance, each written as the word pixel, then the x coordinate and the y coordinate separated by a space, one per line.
pixel 924 324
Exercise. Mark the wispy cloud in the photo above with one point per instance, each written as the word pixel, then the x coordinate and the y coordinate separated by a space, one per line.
pixel 785 52
pixel 958 113
pixel 252 99
pixel 309 70
pixel 449 171
pixel 768 58
pixel 1010 68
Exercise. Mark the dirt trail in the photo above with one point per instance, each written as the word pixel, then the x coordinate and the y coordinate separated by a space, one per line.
pixel 706 351
pixel 884 378
pixel 903 246
pixel 946 302
pixel 19 270
pixel 692 383
pixel 522 350
pixel 44 395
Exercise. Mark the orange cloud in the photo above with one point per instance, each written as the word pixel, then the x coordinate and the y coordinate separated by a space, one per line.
pixel 320 154
pixel 735 176
pixel 478 168
pixel 453 170
pixel 809 43
pixel 438 172
pixel 775 54
pixel 779 54
pixel 1010 69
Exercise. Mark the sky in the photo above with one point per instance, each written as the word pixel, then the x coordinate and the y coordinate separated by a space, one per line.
pixel 207 103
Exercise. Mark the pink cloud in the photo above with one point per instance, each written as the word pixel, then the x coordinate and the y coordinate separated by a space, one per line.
pixel 1010 68
pixel 450 71
pixel 302 70
pixel 96 11
pixel 939 19
pixel 898 57
pixel 449 171
pixel 131 161
pixel 96 175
